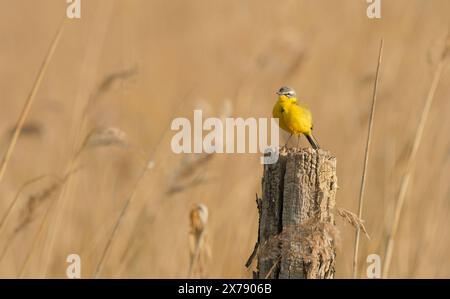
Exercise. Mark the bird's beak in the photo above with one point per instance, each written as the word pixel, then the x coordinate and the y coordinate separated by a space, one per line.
pixel 278 93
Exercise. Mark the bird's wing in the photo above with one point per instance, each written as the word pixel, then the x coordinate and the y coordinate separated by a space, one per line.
pixel 278 112
pixel 307 113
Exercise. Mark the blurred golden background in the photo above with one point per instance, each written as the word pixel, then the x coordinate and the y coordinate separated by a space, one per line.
pixel 135 65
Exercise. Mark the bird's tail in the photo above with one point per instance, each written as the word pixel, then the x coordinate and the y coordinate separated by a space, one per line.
pixel 312 141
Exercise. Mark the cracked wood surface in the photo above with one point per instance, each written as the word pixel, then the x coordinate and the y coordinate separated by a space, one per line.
pixel 296 227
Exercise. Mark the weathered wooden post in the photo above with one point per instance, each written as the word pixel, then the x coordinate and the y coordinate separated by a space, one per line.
pixel 296 237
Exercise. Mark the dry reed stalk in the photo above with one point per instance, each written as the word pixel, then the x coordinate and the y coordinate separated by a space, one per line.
pixel 411 161
pixel 16 197
pixel 198 220
pixel 194 182
pixel 29 129
pixel 149 165
pixel 195 253
pixel 91 58
pixel 275 264
pixel 198 160
pixel 113 78
pixel 103 137
pixel 27 106
pixel 41 196
pixel 123 211
pixel 59 207
pixel 190 166
pixel 366 161
pixel 352 219
pixel 187 175
pixel 33 202
pixel 98 137
pixel 35 240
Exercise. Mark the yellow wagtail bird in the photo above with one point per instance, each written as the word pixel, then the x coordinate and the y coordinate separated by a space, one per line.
pixel 293 117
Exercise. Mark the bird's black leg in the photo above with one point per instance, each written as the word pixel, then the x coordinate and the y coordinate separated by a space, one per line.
pixel 298 140
pixel 285 146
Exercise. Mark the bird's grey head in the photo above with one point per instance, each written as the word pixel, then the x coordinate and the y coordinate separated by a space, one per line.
pixel 286 91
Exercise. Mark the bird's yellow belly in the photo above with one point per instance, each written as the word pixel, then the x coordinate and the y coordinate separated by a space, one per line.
pixel 293 118
pixel 297 122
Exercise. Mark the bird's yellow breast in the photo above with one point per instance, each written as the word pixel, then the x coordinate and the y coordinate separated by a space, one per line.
pixel 293 118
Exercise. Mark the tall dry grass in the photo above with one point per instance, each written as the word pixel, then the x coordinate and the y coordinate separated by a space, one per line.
pixel 29 102
pixel 406 179
pixel 366 161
